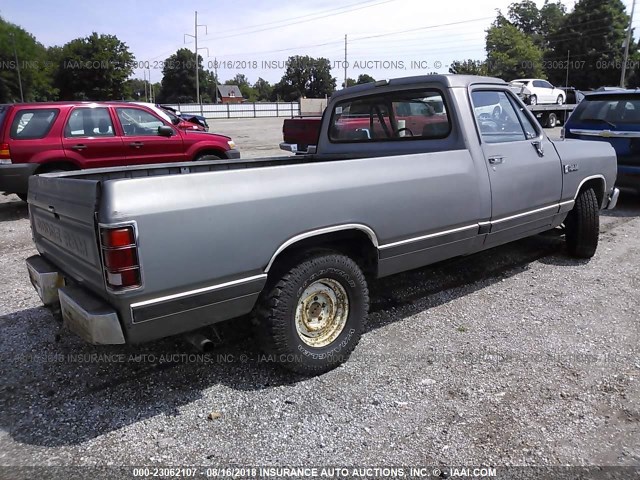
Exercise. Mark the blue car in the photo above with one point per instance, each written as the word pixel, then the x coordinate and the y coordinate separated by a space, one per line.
pixel 612 116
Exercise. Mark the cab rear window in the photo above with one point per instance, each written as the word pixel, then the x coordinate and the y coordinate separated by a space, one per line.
pixel 33 124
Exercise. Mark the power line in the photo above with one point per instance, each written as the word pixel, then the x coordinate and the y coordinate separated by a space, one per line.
pixel 302 21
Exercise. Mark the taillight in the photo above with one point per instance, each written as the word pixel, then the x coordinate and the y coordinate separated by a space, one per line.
pixel 5 153
pixel 120 257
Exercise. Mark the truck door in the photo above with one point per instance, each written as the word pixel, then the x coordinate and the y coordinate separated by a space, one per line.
pixel 524 168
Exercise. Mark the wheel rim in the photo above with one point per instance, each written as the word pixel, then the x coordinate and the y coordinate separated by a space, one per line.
pixel 322 312
pixel 534 100
pixel 560 101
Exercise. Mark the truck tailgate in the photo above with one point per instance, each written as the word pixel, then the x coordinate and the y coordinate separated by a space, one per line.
pixel 63 213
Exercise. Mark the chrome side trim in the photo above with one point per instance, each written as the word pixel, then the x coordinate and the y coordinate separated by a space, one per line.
pixel 432 235
pixel 605 133
pixel 197 291
pixel 524 214
pixel 568 202
pixel 314 233
pixel 604 180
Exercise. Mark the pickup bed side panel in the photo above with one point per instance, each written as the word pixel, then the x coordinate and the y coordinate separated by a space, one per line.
pixel 203 230
pixel 584 159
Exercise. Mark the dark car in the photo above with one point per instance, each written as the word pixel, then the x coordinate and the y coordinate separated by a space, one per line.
pixel 612 116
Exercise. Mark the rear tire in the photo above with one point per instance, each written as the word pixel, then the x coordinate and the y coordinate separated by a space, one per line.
pixel 310 319
pixel 583 225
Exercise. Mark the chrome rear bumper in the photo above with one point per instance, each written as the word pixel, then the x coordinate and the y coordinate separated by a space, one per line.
pixel 613 199
pixel 87 316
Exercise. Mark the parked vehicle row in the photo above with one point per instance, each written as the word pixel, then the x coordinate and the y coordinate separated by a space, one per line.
pixel 396 182
pixel 47 137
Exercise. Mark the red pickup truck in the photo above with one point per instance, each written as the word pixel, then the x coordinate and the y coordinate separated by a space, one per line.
pixel 54 136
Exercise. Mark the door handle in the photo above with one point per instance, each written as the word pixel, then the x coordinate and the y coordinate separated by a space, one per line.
pixel 496 160
pixel 136 144
pixel 80 146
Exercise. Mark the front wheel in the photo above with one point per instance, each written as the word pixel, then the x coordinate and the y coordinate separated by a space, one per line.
pixel 582 225
pixel 311 318
pixel 533 100
pixel 560 100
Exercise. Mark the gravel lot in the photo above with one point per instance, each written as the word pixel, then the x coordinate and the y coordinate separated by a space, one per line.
pixel 518 355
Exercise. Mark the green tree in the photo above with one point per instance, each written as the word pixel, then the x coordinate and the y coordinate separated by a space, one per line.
pixel 93 68
pixel 593 34
pixel 179 79
pixel 305 77
pixel 263 89
pixel 33 62
pixel 510 52
pixel 350 82
pixel 525 16
pixel 364 78
pixel 468 67
pixel 134 89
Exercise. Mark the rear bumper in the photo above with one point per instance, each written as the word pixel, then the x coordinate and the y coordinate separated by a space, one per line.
pixel 14 178
pixel 612 200
pixel 90 318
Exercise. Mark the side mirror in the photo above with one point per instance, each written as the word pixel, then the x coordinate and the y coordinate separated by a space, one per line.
pixel 165 131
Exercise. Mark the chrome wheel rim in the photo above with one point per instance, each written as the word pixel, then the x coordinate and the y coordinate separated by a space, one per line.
pixel 322 312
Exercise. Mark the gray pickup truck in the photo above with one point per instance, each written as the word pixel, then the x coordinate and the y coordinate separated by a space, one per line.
pixel 138 253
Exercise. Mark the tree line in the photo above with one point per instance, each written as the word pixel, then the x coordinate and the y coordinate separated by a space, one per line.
pixel 583 48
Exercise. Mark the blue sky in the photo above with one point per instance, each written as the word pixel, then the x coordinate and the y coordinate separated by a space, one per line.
pixel 386 37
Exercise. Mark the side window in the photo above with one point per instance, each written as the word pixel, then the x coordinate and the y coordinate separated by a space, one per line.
pixel 395 116
pixel 33 124
pixel 546 84
pixel 497 118
pixel 528 127
pixel 89 122
pixel 538 84
pixel 136 121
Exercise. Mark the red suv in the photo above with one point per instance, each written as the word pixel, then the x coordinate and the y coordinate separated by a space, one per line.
pixel 53 136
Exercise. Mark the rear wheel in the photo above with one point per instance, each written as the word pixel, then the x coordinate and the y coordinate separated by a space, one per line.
pixel 533 100
pixel 310 318
pixel 582 225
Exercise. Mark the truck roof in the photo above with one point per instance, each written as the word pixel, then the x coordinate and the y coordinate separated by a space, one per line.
pixel 448 80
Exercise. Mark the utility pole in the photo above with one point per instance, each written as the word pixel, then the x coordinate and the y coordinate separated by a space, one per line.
pixel 566 82
pixel 150 86
pixel 195 37
pixel 626 47
pixel 144 80
pixel 15 53
pixel 215 73
pixel 345 60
